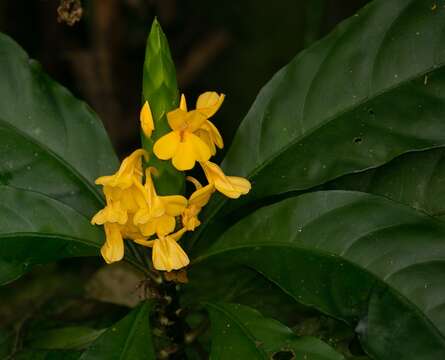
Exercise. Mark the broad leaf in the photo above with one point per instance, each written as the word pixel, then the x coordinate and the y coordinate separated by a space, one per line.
pixel 368 92
pixel 239 332
pixel 35 228
pixel 130 338
pixel 374 263
pixel 415 179
pixel 50 142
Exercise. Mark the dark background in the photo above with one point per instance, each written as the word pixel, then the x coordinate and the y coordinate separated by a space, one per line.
pixel 230 46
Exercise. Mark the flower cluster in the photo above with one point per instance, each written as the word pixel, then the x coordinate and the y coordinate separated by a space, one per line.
pixel 134 211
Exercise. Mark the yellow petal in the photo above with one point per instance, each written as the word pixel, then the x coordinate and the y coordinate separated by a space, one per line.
pixel 146 118
pixel 165 225
pixel 167 146
pixel 178 234
pixel 214 134
pixel 142 216
pixel 103 180
pixel 190 150
pixel 167 255
pixel 185 157
pixel 183 103
pixel 174 204
pixel 202 151
pixel 189 219
pixel 194 120
pixel 201 196
pixel 233 186
pixel 148 229
pixel 112 213
pixel 113 249
pixel 100 218
pixel 209 102
pixel 177 119
pixel 130 168
pixel 131 231
pixel 204 135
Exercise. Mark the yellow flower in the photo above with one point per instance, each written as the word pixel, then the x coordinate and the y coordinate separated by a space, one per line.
pixel 157 214
pixel 231 186
pixel 112 213
pixel 167 254
pixel 130 169
pixel 146 118
pixel 123 198
pixel 182 145
pixel 193 137
pixel 113 249
pixel 208 103
pixel 120 193
pixel 196 202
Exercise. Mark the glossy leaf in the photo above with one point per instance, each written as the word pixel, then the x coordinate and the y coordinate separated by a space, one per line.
pixel 130 338
pixel 161 91
pixel 374 263
pixel 51 142
pixel 415 179
pixel 35 228
pixel 368 92
pixel 239 332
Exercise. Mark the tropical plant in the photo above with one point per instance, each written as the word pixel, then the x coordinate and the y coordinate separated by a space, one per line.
pixel 333 244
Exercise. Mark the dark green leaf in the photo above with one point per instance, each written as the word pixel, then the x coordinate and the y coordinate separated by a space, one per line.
pixel 10 271
pixel 35 228
pixel 50 142
pixel 161 91
pixel 239 332
pixel 374 263
pixel 415 179
pixel 130 338
pixel 73 337
pixel 370 91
